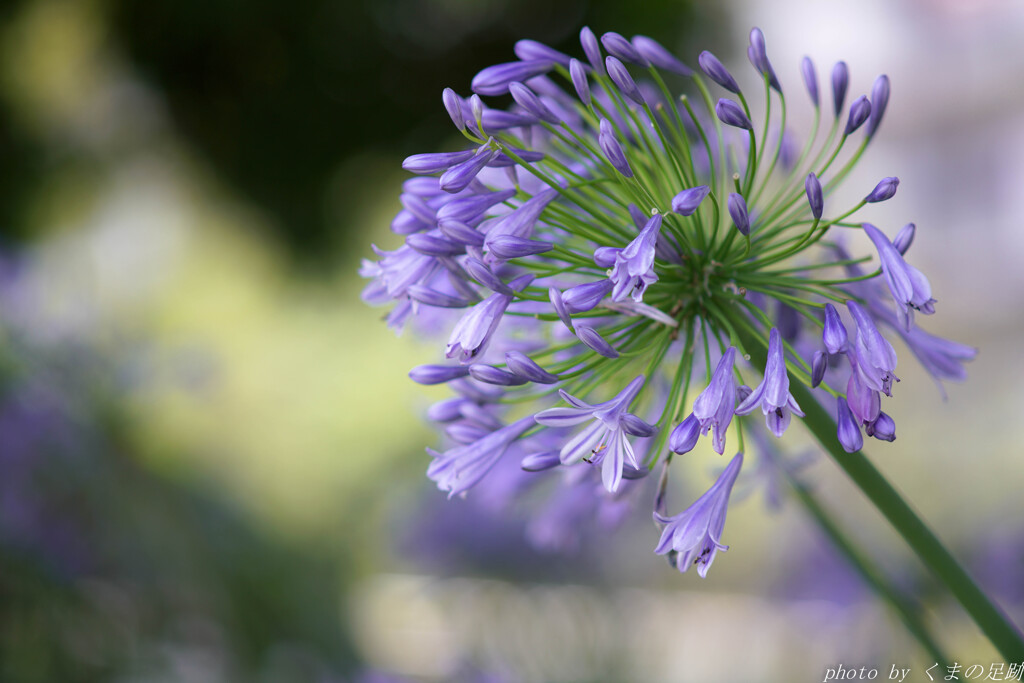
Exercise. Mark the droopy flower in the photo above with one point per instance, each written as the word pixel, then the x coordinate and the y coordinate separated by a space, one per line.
pixel 694 535
pixel 605 231
pixel 772 394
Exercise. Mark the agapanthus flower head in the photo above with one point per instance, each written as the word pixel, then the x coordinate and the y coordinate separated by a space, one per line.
pixel 607 258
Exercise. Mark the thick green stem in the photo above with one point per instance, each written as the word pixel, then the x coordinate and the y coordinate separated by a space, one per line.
pixel 908 613
pixel 1003 634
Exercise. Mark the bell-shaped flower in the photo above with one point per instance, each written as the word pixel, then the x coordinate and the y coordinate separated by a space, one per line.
pixel 872 354
pixel 910 288
pixel 634 265
pixel 473 332
pixel 694 535
pixel 460 468
pixel 605 438
pixel 715 405
pixel 772 394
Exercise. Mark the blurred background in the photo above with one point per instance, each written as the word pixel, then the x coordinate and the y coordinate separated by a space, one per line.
pixel 211 457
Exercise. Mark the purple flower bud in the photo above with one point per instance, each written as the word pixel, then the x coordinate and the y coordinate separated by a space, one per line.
pixel 819 364
pixel 810 79
pixel 710 65
pixel 435 162
pixel 604 257
pixel 629 472
pixel 834 334
pixel 494 80
pixel 579 81
pixel 879 101
pixel 437 374
pixel 446 410
pixel 559 306
pixel 434 245
pixel 612 149
pixel 840 82
pixel 418 208
pixel 510 246
pixel 476 108
pixel 592 50
pixel 432 297
pixel 482 274
pixel 529 101
pixel 464 433
pixel 686 202
pixel 633 425
pixel 529 50
pixel 593 339
pixel 885 189
pixel 904 238
pixel 684 437
pixel 473 332
pixel 859 112
pixel 488 374
pixel 476 413
pixel 743 392
pixel 584 297
pixel 883 428
pixel 731 114
pixel 453 103
pixel 620 76
pixel 538 462
pixel 847 428
pixel 523 366
pixel 758 55
pixel 738 212
pixel 621 48
pixel 814 197
pixel 655 53
pixel 457 178
pixel 468 209
pixel 496 119
pixel 460 232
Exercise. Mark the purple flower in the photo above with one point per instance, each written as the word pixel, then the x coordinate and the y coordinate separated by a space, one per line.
pixel 910 288
pixel 695 534
pixel 731 114
pixel 458 469
pixel 606 436
pixel 593 340
pixel 859 112
pixel 494 80
pixel 621 78
pixel 523 366
pixel 883 428
pixel 686 202
pixel 847 428
pixel 621 48
pixel 509 247
pixel 592 50
pixel 879 100
pixel 655 53
pixel 819 364
pixel 529 101
pixel 710 65
pixel 812 186
pixel 873 356
pixel 758 55
pixel 633 272
pixel 612 149
pixel 738 213
pixel 579 81
pixel 810 79
pixel 904 238
pixel 772 394
pixel 684 437
pixel 834 333
pixel 885 189
pixel 453 104
pixel 528 50
pixel 457 178
pixel 586 296
pixel 473 332
pixel 715 405
pixel 436 162
pixel 840 82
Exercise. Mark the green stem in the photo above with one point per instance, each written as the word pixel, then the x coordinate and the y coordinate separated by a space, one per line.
pixel 1001 632
pixel 908 613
